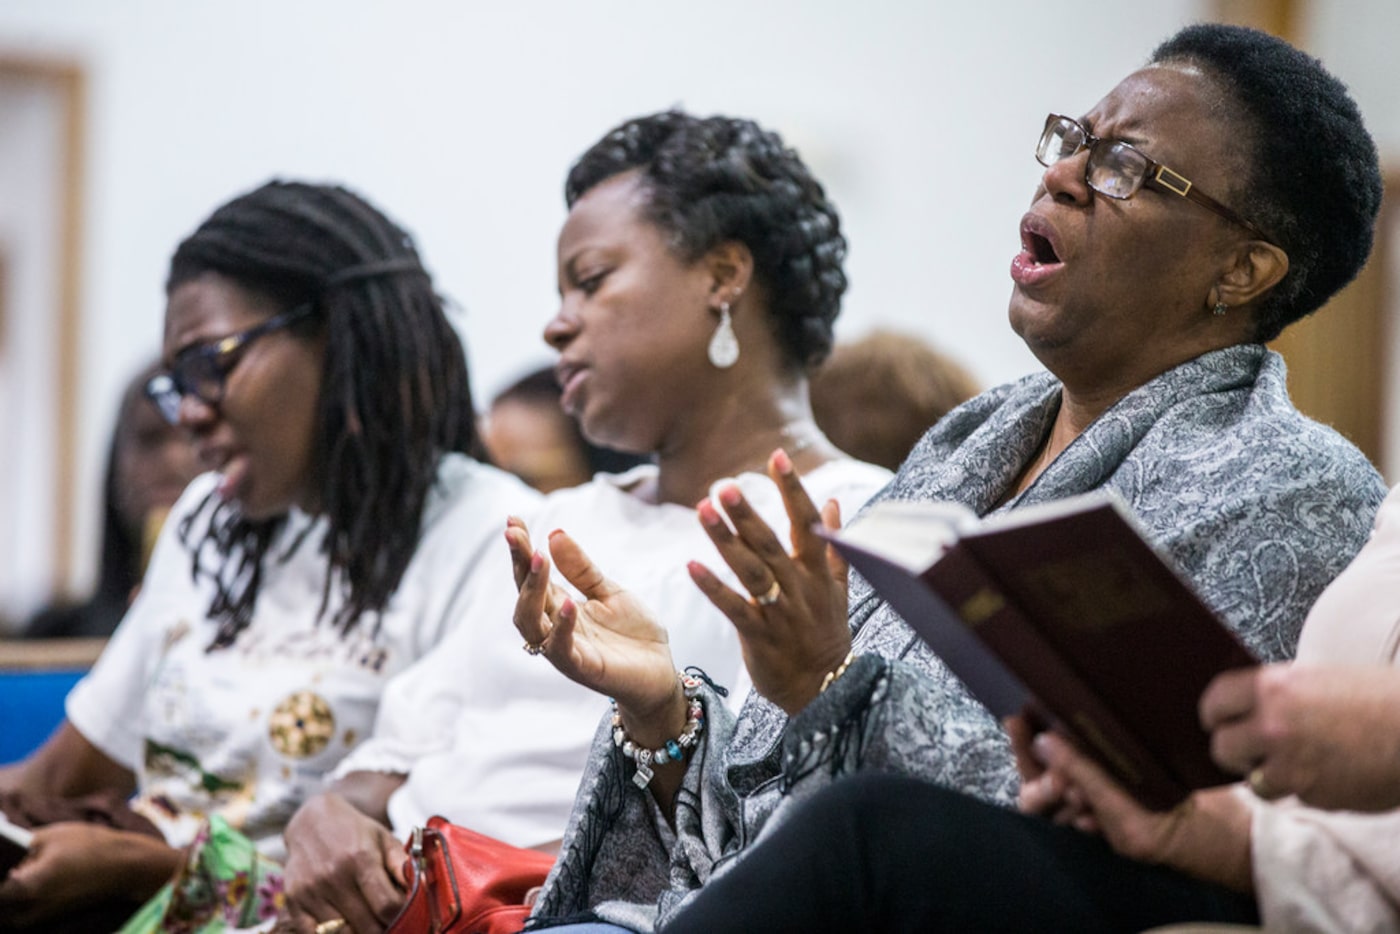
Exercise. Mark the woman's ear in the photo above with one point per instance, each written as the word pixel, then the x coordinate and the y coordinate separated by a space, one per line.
pixel 1258 267
pixel 730 265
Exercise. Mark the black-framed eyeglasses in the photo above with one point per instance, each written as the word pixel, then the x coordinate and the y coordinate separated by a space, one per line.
pixel 202 371
pixel 1119 170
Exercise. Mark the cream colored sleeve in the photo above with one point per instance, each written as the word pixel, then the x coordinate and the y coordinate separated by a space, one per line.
pixel 1320 870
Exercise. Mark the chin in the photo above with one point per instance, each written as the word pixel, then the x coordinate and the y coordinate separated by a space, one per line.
pixel 262 508
pixel 614 437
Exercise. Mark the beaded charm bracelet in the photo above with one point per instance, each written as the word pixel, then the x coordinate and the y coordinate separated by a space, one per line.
pixel 674 749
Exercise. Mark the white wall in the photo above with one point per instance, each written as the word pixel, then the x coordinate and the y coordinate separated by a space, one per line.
pixel 461 118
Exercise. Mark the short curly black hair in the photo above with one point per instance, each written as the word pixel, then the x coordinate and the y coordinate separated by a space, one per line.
pixel 1315 181
pixel 714 179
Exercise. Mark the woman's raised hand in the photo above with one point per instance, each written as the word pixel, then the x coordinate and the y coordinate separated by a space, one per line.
pixel 609 642
pixel 792 620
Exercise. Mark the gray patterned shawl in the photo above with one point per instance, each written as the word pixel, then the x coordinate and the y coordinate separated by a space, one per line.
pixel 1259 506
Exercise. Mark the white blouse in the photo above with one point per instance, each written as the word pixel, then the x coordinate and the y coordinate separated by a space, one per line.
pixel 496 739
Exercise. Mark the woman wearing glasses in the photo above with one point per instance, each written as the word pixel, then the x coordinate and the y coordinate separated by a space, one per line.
pixel 311 362
pixel 1148 302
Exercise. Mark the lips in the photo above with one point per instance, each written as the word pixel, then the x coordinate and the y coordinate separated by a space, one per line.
pixel 1040 256
pixel 234 476
pixel 223 461
pixel 570 376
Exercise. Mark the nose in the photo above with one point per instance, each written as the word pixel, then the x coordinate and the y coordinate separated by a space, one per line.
pixel 1066 180
pixel 563 327
pixel 195 413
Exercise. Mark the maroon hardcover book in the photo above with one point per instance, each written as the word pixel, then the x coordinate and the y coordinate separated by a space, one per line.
pixel 1066 611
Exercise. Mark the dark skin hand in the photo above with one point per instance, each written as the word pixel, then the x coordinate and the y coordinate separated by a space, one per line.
pixel 1206 836
pixel 342 862
pixel 791 644
pixel 74 864
pixel 609 643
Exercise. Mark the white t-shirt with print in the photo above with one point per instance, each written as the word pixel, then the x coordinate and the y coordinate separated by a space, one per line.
pixel 250 731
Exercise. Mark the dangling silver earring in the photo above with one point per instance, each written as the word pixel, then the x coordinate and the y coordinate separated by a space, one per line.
pixel 724 345
pixel 1220 309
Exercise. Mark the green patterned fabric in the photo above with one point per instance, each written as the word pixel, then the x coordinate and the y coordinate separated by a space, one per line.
pixel 223 885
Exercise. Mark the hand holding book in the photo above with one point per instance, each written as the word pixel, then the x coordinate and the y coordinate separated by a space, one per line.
pixel 1066 611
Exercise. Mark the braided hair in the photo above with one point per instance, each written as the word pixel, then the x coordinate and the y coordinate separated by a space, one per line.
pixel 394 393
pixel 708 180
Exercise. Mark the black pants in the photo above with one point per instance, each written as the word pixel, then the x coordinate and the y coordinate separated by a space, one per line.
pixel 886 853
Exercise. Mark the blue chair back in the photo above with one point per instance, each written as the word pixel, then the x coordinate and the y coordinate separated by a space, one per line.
pixel 31 708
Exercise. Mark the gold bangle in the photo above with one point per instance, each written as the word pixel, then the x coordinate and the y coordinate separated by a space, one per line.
pixel 838 672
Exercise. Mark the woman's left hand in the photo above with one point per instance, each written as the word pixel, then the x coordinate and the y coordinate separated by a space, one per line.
pixel 792 620
pixel 1206 836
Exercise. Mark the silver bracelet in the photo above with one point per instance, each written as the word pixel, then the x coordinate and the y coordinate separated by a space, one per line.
pixel 673 750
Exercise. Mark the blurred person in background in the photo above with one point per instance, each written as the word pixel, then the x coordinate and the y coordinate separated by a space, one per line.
pixel 876 396
pixel 149 464
pixel 528 433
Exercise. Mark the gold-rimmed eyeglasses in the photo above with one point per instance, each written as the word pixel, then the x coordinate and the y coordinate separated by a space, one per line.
pixel 1119 170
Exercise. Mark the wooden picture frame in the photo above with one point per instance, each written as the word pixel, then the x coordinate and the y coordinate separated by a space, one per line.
pixel 57 88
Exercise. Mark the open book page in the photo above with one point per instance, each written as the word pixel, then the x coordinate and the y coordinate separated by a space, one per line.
pixel 909 534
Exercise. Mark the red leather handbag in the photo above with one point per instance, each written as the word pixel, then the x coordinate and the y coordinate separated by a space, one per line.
pixel 464 882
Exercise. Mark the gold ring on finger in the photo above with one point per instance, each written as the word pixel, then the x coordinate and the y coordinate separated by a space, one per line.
pixel 331 926
pixel 769 596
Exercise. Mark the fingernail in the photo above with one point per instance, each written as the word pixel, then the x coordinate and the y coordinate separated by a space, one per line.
pixel 781 462
pixel 709 516
pixel 536 563
pixel 1042 746
pixel 730 495
pixel 556 532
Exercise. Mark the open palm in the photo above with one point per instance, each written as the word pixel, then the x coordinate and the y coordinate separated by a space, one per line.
pixel 609 642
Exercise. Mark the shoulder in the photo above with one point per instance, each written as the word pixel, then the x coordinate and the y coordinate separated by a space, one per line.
pixel 468 490
pixel 1252 428
pixel 954 428
pixel 605 495
pixel 847 480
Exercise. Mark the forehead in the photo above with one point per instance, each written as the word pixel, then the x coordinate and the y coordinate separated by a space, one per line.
pixel 209 307
pixel 1171 110
pixel 612 206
